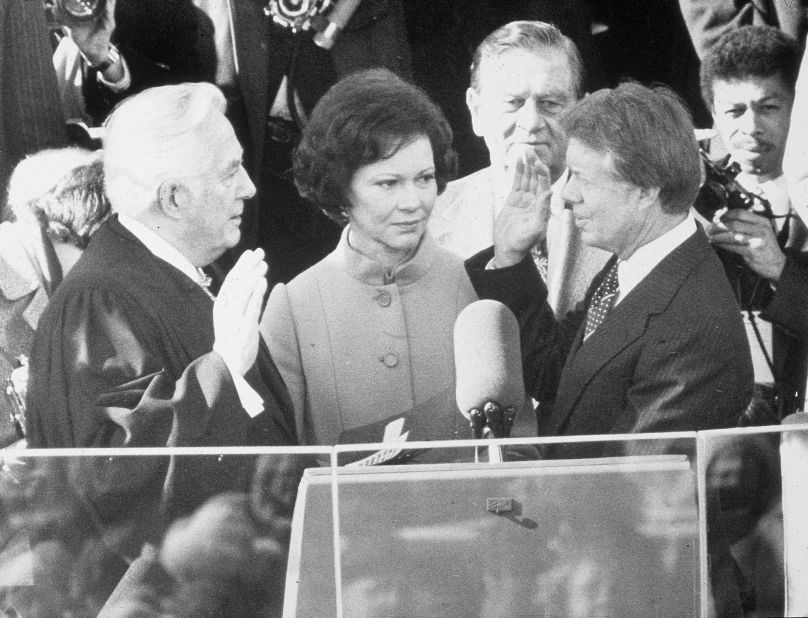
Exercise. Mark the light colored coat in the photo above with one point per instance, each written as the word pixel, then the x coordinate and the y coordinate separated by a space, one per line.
pixel 463 222
pixel 356 346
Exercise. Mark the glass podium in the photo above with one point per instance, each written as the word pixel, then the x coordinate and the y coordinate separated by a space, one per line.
pixel 691 524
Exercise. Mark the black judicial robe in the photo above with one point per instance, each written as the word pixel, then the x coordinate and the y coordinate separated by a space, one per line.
pixel 122 358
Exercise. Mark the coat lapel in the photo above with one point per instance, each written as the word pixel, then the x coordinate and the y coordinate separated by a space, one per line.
pixel 623 325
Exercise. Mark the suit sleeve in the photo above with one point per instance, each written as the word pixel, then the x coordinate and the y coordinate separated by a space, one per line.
pixel 163 42
pixel 101 377
pixel 545 341
pixel 789 306
pixel 280 334
pixel 707 20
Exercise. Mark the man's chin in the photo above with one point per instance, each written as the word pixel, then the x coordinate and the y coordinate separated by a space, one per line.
pixel 759 163
pixel 232 239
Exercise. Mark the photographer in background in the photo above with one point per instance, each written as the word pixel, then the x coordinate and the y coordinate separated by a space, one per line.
pixel 111 49
pixel 748 79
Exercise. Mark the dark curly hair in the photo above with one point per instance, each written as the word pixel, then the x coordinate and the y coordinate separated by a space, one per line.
pixel 750 51
pixel 366 116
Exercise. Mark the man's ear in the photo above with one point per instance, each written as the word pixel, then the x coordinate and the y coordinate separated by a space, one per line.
pixel 473 103
pixel 648 196
pixel 172 197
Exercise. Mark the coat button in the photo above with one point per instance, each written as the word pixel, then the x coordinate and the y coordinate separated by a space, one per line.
pixel 390 359
pixel 383 298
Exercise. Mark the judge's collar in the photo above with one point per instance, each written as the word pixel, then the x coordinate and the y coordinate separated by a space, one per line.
pixel 161 248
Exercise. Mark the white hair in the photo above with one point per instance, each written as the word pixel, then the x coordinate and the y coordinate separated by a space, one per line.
pixel 153 136
pixel 39 174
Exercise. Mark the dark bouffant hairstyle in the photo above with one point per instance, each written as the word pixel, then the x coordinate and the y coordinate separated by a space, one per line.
pixel 365 117
pixel 750 51
pixel 650 135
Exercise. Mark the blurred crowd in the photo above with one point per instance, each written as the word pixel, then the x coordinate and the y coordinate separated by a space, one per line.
pixel 246 223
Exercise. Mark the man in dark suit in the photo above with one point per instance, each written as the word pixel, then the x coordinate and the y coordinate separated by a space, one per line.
pixel 657 344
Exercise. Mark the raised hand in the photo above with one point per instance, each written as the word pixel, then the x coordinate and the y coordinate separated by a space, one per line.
pixel 522 223
pixel 93 37
pixel 752 237
pixel 237 309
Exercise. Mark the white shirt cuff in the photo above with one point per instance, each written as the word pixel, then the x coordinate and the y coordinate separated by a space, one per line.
pixel 250 400
pixel 122 84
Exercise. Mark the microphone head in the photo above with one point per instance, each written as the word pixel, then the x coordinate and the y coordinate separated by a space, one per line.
pixel 488 359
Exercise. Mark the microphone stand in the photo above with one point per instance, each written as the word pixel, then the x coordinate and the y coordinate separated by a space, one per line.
pixel 493 421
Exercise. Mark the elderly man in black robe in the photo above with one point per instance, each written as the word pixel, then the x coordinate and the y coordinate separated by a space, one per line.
pixel 133 350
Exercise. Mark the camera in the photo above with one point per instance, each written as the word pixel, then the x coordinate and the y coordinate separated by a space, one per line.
pixel 297 15
pixel 75 12
pixel 721 191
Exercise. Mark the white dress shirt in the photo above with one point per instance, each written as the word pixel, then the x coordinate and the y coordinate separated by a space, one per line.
pixel 633 270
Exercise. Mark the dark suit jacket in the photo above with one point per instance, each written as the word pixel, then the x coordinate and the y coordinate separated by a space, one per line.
pixel 671 356
pixel 789 306
pixel 707 20
pixel 163 41
pixel 265 52
pixel 788 309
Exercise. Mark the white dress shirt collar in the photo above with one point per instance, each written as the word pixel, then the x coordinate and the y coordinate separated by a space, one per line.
pixel 633 270
pixel 161 248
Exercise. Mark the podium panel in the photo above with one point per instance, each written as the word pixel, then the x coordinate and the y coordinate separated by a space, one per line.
pixel 606 537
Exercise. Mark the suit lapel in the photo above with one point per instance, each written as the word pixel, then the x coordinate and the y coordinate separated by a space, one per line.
pixel 624 324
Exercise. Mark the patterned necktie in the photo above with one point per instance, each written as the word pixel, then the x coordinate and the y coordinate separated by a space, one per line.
pixel 602 301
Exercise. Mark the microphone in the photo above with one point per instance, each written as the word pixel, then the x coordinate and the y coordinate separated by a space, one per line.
pixel 337 19
pixel 488 368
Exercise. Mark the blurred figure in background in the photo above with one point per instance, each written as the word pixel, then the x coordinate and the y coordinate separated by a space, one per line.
pixel 31 118
pixel 112 49
pixel 366 333
pixel 57 200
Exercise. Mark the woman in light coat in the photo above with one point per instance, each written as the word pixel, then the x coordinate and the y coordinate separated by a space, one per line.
pixel 365 335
